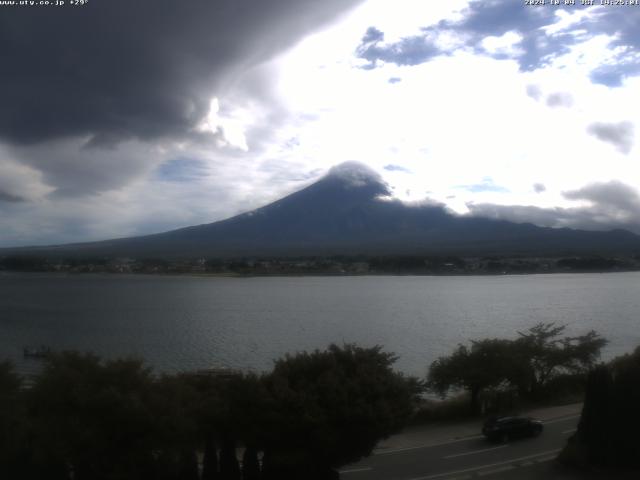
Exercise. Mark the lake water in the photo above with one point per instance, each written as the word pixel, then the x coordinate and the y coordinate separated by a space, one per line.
pixel 183 322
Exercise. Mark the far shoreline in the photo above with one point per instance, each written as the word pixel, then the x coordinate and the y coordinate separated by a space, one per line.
pixel 232 275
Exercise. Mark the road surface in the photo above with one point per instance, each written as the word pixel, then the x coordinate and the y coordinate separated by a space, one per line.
pixel 464 458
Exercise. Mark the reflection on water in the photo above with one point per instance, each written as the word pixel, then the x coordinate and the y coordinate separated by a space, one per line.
pixel 177 323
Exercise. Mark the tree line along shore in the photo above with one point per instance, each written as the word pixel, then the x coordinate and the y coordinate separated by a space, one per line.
pixel 327 265
pixel 83 417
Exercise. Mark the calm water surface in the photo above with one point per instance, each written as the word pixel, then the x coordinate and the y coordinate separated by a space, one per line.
pixel 182 322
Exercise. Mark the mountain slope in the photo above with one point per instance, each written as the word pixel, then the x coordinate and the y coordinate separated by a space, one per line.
pixel 346 212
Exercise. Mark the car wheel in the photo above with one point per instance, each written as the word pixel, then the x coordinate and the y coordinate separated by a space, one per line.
pixel 504 438
pixel 536 431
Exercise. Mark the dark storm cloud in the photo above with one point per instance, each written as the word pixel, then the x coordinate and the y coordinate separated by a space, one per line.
pixel 6 197
pixel 544 217
pixel 538 47
pixel 119 69
pixel 620 135
pixel 611 205
pixel 613 195
pixel 71 170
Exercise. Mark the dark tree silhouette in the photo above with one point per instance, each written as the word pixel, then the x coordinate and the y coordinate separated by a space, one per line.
pixel 188 467
pixel 330 408
pixel 89 419
pixel 597 415
pixel 210 460
pixel 92 418
pixel 527 363
pixel 13 449
pixel 229 466
pixel 486 364
pixel 250 464
pixel 610 421
pixel 541 353
pixel 173 405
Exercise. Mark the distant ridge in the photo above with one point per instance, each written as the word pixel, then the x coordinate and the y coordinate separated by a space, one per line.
pixel 350 211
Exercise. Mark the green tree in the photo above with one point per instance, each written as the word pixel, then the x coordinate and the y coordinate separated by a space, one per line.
pixel 329 408
pixel 92 418
pixel 528 363
pixel 542 353
pixel 485 364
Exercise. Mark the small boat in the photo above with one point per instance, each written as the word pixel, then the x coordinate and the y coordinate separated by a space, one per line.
pixel 36 352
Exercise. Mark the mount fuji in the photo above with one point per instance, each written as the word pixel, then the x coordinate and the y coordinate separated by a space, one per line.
pixel 350 211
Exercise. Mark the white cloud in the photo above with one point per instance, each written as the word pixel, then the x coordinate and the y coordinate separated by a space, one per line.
pixel 566 19
pixel 506 44
pixel 19 182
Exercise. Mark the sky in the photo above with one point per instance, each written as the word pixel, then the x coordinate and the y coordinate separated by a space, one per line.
pixel 123 118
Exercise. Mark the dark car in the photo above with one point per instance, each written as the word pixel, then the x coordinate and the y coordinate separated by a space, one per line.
pixel 507 428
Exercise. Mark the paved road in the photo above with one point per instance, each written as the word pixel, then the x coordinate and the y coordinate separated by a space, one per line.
pixel 465 458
